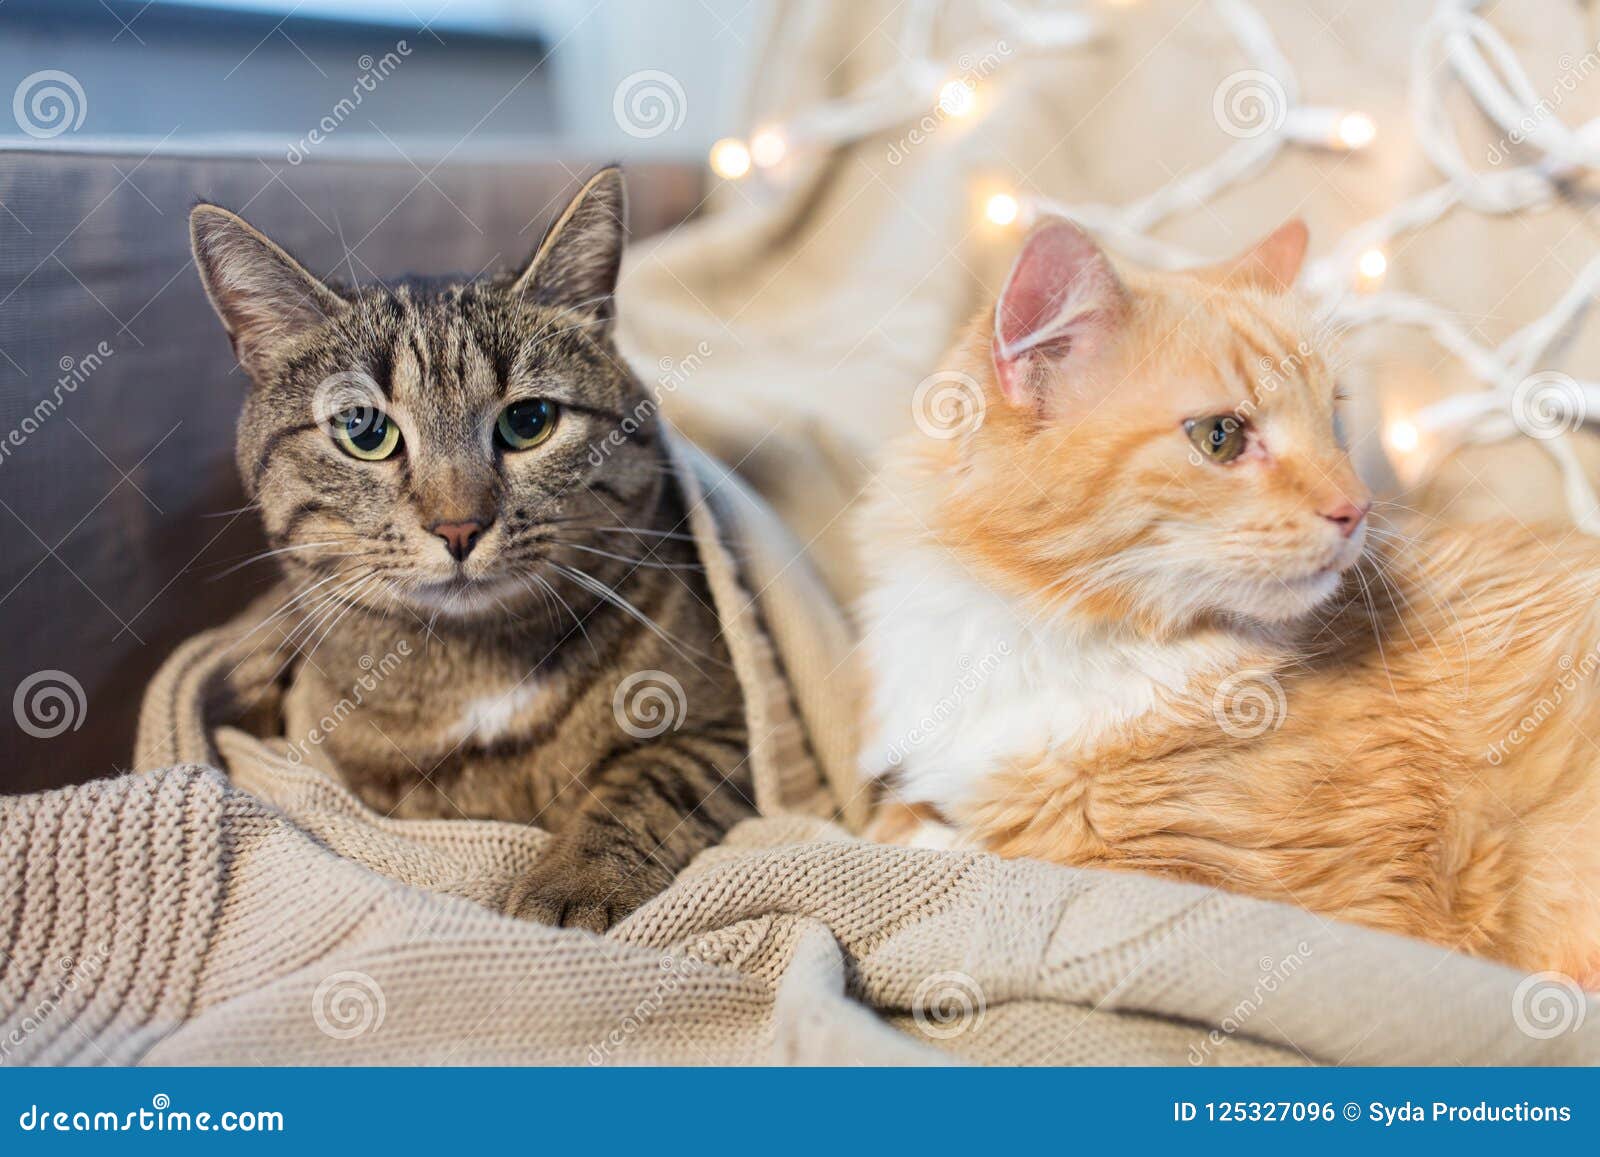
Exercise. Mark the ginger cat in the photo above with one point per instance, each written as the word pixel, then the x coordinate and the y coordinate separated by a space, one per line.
pixel 1134 614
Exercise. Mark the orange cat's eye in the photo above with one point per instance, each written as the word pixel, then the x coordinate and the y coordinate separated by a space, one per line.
pixel 1219 438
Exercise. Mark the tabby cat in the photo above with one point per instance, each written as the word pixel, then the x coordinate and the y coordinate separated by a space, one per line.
pixel 1145 589
pixel 465 479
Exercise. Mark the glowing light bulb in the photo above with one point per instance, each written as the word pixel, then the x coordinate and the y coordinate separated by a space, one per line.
pixel 1403 436
pixel 1372 265
pixel 768 147
pixel 730 159
pixel 1329 128
pixel 1355 130
pixel 1002 209
pixel 958 98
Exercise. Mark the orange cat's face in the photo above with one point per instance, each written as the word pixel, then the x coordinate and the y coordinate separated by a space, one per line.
pixel 1159 448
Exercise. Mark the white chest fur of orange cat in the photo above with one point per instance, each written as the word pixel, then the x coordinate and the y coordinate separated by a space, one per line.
pixel 967 679
pixel 1132 612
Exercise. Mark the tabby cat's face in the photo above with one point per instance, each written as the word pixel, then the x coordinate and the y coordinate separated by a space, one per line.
pixel 433 446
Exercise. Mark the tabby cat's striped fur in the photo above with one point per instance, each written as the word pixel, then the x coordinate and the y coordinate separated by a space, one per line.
pixel 486 685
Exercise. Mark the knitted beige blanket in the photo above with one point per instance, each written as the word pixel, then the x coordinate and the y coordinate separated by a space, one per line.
pixel 265 916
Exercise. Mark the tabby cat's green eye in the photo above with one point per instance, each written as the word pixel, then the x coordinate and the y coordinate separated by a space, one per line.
pixel 367 434
pixel 523 425
pixel 1219 438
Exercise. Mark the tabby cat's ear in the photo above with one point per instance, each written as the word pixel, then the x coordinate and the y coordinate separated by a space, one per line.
pixel 264 297
pixel 1061 301
pixel 577 263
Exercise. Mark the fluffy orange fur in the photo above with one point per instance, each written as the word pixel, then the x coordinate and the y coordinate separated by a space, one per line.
pixel 1424 765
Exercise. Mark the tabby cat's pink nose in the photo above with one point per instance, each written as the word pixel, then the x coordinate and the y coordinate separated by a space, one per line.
pixel 1347 516
pixel 459 537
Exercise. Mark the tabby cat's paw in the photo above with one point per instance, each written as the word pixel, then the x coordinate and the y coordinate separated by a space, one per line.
pixel 568 893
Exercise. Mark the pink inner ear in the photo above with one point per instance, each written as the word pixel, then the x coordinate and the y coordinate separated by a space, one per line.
pixel 1275 261
pixel 1059 292
pixel 1041 281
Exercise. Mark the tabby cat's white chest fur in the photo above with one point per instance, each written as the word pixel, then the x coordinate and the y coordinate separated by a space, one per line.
pixel 966 681
pixel 488 718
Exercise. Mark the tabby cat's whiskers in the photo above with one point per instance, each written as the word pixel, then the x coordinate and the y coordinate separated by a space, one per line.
pixel 426 503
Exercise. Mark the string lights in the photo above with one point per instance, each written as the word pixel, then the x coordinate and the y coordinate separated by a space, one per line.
pixel 1402 436
pixel 958 98
pixel 1261 107
pixel 730 159
pixel 1340 129
pixel 1370 268
pixel 1001 209
pixel 917 85
pixel 768 147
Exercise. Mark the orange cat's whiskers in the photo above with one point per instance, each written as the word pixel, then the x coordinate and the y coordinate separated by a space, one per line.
pixel 1392 570
pixel 1377 632
pixel 1401 605
pixel 1205 651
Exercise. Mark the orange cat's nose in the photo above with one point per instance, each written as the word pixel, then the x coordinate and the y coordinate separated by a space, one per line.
pixel 1347 516
pixel 459 537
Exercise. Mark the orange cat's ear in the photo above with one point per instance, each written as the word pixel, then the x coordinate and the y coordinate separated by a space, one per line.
pixel 1061 300
pixel 1275 261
